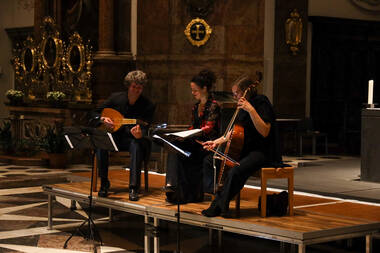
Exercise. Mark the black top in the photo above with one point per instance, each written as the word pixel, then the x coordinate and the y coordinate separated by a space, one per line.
pixel 142 109
pixel 253 140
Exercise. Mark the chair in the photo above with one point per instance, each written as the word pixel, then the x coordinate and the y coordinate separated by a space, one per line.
pixel 269 173
pixel 145 166
pixel 306 131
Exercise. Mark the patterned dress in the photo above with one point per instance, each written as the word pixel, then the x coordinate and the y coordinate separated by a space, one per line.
pixel 190 169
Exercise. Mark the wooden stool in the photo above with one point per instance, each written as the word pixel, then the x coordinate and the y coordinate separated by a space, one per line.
pixel 268 173
pixel 95 174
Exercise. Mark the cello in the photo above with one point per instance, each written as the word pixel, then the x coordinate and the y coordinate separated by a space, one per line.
pixel 234 135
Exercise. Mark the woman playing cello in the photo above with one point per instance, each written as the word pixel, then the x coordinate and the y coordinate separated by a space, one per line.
pixel 257 117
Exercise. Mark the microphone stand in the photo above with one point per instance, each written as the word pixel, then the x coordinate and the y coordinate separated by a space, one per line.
pixel 178 249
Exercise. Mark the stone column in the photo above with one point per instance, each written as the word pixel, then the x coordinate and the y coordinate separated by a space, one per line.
pixel 123 28
pixel 106 28
pixel 38 17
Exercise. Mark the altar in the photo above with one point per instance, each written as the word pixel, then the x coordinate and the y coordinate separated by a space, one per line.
pixel 370 145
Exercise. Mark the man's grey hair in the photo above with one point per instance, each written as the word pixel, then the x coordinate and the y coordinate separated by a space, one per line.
pixel 136 76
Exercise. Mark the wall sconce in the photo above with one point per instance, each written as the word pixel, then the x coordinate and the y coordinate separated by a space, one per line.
pixel 293 31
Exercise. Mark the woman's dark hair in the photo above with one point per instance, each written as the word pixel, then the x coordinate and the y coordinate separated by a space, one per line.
pixel 205 78
pixel 244 82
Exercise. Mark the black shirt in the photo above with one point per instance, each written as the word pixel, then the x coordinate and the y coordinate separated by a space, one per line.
pixel 142 109
pixel 253 140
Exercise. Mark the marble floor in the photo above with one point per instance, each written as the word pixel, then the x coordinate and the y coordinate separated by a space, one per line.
pixel 23 222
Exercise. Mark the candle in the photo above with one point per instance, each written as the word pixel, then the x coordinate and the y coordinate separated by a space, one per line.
pixel 370 92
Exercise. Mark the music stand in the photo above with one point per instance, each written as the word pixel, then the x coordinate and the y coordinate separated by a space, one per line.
pixel 175 149
pixel 88 138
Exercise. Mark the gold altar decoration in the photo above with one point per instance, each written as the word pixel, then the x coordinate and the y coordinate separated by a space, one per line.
pixel 25 62
pixel 54 66
pixel 293 31
pixel 198 32
pixel 51 46
pixel 78 60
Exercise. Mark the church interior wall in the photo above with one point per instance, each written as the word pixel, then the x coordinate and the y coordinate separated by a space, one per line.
pixel 235 47
pixel 13 14
pixel 170 60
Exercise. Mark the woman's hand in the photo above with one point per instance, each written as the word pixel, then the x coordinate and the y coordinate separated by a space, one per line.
pixel 136 132
pixel 213 144
pixel 209 145
pixel 244 104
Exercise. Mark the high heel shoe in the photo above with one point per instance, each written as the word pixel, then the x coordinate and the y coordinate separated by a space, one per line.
pixel 169 188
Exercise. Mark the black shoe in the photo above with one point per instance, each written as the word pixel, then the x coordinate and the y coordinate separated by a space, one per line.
pixel 103 192
pixel 104 187
pixel 105 183
pixel 212 211
pixel 169 188
pixel 133 195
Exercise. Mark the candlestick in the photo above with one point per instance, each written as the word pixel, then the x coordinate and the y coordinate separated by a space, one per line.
pixel 370 92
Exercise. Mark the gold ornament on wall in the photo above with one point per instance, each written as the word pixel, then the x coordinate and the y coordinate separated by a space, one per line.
pixel 25 63
pixel 78 61
pixel 51 46
pixel 293 31
pixel 52 65
pixel 198 32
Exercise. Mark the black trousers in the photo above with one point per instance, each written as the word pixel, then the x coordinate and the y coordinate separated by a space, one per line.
pixel 137 149
pixel 237 177
pixel 189 173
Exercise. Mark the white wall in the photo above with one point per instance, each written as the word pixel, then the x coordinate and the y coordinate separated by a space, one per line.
pixel 13 14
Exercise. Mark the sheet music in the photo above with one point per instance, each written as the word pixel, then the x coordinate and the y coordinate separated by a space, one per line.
pixel 68 141
pixel 113 142
pixel 185 153
pixel 187 133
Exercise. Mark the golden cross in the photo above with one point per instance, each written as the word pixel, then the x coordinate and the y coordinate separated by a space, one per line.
pixel 197 31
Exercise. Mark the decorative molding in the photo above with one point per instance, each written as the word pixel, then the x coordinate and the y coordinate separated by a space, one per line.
pixel 367 5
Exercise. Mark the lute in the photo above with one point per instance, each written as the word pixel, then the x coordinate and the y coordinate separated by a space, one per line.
pixel 119 120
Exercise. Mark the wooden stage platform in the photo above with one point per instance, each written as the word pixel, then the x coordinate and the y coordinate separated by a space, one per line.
pixel 316 220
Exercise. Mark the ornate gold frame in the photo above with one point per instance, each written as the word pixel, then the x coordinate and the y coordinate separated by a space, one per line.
pixel 29 47
pixel 198 22
pixel 75 43
pixel 50 37
pixel 77 64
pixel 57 52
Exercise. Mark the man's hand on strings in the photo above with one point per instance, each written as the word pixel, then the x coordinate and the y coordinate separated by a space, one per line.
pixel 108 121
pixel 136 132
pixel 244 104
